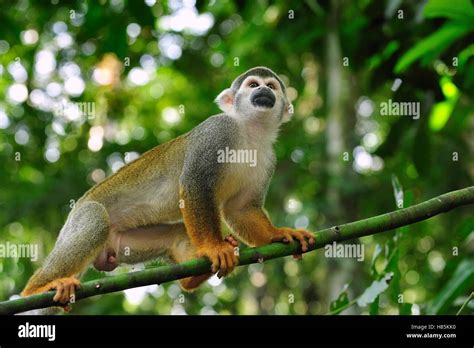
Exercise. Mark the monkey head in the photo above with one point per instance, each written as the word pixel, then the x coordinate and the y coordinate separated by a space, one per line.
pixel 258 93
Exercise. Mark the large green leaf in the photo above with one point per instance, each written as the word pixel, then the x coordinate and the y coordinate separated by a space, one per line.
pixel 442 111
pixel 434 44
pixel 461 281
pixel 461 10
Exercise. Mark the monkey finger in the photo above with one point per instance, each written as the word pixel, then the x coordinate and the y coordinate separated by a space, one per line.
pixel 72 292
pixel 235 259
pixel 302 240
pixel 298 257
pixel 223 265
pixel 65 297
pixel 310 237
pixel 220 270
pixel 215 264
pixel 59 294
pixel 64 292
pixel 230 262
pixel 222 273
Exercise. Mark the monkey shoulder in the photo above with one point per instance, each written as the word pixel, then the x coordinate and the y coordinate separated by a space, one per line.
pixel 204 142
pixel 215 130
pixel 206 165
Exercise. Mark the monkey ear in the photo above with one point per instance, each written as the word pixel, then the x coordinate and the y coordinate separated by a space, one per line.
pixel 225 100
pixel 288 113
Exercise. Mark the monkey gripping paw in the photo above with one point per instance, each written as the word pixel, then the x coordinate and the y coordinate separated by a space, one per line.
pixel 287 235
pixel 65 290
pixel 223 256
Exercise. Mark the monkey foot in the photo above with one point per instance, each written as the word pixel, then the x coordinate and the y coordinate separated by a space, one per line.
pixel 287 235
pixel 222 255
pixel 65 289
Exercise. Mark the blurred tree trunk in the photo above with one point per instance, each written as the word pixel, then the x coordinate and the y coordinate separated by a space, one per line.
pixel 338 99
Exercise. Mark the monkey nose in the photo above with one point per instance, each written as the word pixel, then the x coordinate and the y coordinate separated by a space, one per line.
pixel 263 97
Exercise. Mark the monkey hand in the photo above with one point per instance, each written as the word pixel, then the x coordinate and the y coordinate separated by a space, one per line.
pixel 287 235
pixel 222 255
pixel 65 290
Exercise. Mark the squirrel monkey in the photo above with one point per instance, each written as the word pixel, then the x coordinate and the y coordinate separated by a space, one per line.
pixel 169 202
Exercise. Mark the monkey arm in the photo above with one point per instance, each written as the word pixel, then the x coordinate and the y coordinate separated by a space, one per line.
pixel 199 185
pixel 202 221
pixel 252 224
pixel 197 188
pixel 200 216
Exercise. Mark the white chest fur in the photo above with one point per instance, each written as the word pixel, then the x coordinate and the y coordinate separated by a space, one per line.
pixel 252 165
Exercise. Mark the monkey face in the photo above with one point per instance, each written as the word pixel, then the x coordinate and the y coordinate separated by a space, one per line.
pixel 256 94
pixel 260 92
pixel 260 97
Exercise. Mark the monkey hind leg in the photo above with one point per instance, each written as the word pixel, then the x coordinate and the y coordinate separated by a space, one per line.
pixel 183 250
pixel 80 240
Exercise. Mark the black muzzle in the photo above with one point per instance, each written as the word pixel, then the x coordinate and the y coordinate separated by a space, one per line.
pixel 263 97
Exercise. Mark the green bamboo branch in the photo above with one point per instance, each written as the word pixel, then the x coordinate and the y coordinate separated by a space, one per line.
pixel 160 275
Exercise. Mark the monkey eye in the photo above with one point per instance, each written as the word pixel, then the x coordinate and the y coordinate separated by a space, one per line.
pixel 271 85
pixel 253 84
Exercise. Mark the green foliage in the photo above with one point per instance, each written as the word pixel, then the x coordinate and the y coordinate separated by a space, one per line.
pixel 460 10
pixel 430 47
pixel 461 280
pixel 461 13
